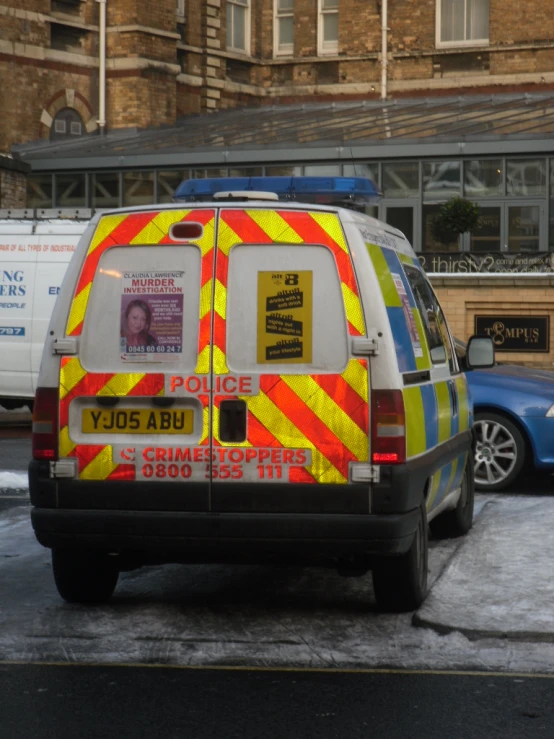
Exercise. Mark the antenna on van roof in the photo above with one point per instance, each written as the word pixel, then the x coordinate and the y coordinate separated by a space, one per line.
pixel 353 162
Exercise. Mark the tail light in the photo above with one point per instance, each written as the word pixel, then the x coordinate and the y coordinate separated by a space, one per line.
pixel 388 427
pixel 45 424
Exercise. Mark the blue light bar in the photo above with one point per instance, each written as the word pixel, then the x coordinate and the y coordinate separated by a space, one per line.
pixel 348 192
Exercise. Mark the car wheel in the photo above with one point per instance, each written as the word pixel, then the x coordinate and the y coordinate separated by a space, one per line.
pixel 84 577
pixel 400 583
pixel 458 521
pixel 499 451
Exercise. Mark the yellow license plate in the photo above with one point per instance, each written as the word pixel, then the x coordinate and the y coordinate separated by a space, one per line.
pixel 137 421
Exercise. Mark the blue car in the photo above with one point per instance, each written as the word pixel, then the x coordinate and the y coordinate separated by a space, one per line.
pixel 514 421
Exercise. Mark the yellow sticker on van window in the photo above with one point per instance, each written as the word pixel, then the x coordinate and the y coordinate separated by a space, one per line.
pixel 284 317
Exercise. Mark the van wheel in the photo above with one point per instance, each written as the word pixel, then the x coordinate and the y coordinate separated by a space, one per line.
pixel 459 520
pixel 400 583
pixel 84 577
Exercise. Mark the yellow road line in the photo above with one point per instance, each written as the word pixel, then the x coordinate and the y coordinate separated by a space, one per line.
pixel 246 668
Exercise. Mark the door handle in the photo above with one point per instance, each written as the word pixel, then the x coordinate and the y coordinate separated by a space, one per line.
pixel 232 420
pixel 454 396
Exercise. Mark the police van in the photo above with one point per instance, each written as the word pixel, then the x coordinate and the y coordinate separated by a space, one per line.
pixel 35 248
pixel 259 372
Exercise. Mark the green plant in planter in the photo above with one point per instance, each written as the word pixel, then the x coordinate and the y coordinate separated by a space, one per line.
pixel 455 217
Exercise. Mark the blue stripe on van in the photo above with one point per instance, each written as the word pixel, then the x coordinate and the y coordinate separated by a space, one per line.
pixel 446 473
pixel 459 471
pixel 402 340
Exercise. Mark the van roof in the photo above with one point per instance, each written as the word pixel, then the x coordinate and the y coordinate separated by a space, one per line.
pixel 346 213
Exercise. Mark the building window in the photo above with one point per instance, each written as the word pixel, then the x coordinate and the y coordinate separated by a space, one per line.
pixel 180 9
pixel 67 123
pixel 66 6
pixel 284 27
pixel 483 178
pixel 526 177
pixel 401 180
pixel 138 188
pixel 462 22
pixel 168 181
pixel 238 25
pixel 40 191
pixel 328 31
pixel 67 38
pixel 441 180
pixel 71 190
pixel 430 241
pixel 106 188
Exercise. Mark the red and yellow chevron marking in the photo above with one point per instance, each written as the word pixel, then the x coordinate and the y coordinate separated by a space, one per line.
pixel 293 227
pixel 327 414
pixel 95 462
pixel 131 229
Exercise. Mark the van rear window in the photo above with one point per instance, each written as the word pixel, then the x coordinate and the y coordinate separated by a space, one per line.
pixel 143 310
pixel 285 310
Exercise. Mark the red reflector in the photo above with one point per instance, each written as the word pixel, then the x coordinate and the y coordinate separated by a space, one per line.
pixel 388 427
pixel 45 423
pixel 185 231
pixel 385 458
pixel 46 454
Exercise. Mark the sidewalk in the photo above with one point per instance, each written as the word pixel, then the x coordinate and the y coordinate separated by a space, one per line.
pixel 500 582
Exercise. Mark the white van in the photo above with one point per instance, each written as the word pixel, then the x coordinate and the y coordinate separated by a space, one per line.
pixel 237 379
pixel 35 250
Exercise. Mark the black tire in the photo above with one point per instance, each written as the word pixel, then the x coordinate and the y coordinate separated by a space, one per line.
pixel 400 583
pixel 496 435
pixel 84 577
pixel 459 520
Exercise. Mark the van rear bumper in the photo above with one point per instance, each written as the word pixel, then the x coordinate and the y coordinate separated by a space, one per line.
pixel 178 536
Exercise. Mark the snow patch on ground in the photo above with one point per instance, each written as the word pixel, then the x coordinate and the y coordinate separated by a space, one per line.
pixel 13 481
pixel 21 409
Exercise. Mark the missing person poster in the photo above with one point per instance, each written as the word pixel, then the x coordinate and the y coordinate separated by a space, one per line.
pixel 152 316
pixel 284 317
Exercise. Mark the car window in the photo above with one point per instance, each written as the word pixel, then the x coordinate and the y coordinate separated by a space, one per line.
pixel 448 342
pixel 460 347
pixel 428 309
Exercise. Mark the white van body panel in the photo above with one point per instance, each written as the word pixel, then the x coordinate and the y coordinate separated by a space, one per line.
pixel 33 259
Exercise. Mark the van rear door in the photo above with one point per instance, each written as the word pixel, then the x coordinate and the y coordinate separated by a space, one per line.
pixel 290 415
pixel 135 406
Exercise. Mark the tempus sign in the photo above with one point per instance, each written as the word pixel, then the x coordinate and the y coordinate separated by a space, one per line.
pixel 516 333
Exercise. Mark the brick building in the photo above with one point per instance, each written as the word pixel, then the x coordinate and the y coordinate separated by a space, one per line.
pixel 432 98
pixel 169 58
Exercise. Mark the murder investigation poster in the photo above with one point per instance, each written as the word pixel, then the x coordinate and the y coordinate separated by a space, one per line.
pixel 152 316
pixel 284 317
